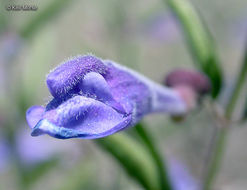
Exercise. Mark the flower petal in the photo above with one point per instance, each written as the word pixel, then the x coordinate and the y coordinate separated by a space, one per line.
pixel 34 114
pixel 81 117
pixel 64 79
pixel 129 88
pixel 135 91
pixel 96 86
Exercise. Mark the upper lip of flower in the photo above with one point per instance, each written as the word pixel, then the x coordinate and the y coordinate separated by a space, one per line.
pixel 65 78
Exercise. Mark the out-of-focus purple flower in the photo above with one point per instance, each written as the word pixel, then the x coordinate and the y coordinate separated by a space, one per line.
pixel 93 98
pixel 10 43
pixel 4 154
pixel 33 151
pixel 163 27
pixel 181 179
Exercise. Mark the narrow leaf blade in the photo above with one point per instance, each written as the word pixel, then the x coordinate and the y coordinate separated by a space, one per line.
pixel 199 40
pixel 134 158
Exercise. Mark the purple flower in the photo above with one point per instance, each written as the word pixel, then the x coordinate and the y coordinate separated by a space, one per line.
pixel 93 98
pixel 33 151
pixel 163 27
pixel 181 178
pixel 4 154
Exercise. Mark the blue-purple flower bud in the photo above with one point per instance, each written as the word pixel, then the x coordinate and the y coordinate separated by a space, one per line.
pixel 93 98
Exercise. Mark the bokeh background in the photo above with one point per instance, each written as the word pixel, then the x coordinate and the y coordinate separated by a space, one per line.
pixel 141 34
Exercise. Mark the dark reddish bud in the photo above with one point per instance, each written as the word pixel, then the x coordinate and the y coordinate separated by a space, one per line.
pixel 190 84
pixel 189 78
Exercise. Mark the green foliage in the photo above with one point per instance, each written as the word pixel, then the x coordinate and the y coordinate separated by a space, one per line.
pixel 154 151
pixel 220 145
pixel 199 41
pixel 244 115
pixel 3 23
pixel 242 79
pixel 134 158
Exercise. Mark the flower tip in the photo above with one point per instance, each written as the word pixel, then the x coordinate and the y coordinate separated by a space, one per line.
pixel 36 132
pixel 46 127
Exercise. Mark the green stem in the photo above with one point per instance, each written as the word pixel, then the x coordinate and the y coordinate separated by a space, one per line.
pixel 216 158
pixel 149 142
pixel 237 89
pixel 199 40
pixel 134 157
pixel 220 145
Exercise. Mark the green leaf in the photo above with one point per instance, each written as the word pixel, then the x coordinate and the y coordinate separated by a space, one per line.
pixel 244 115
pixel 43 16
pixel 134 158
pixel 199 41
pixel 151 146
pixel 240 83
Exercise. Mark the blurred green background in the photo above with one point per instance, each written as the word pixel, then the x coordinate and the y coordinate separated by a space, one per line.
pixel 143 35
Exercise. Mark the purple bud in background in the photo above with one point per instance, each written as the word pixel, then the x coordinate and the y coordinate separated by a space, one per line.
pixel 193 79
pixel 4 154
pixel 190 84
pixel 93 98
